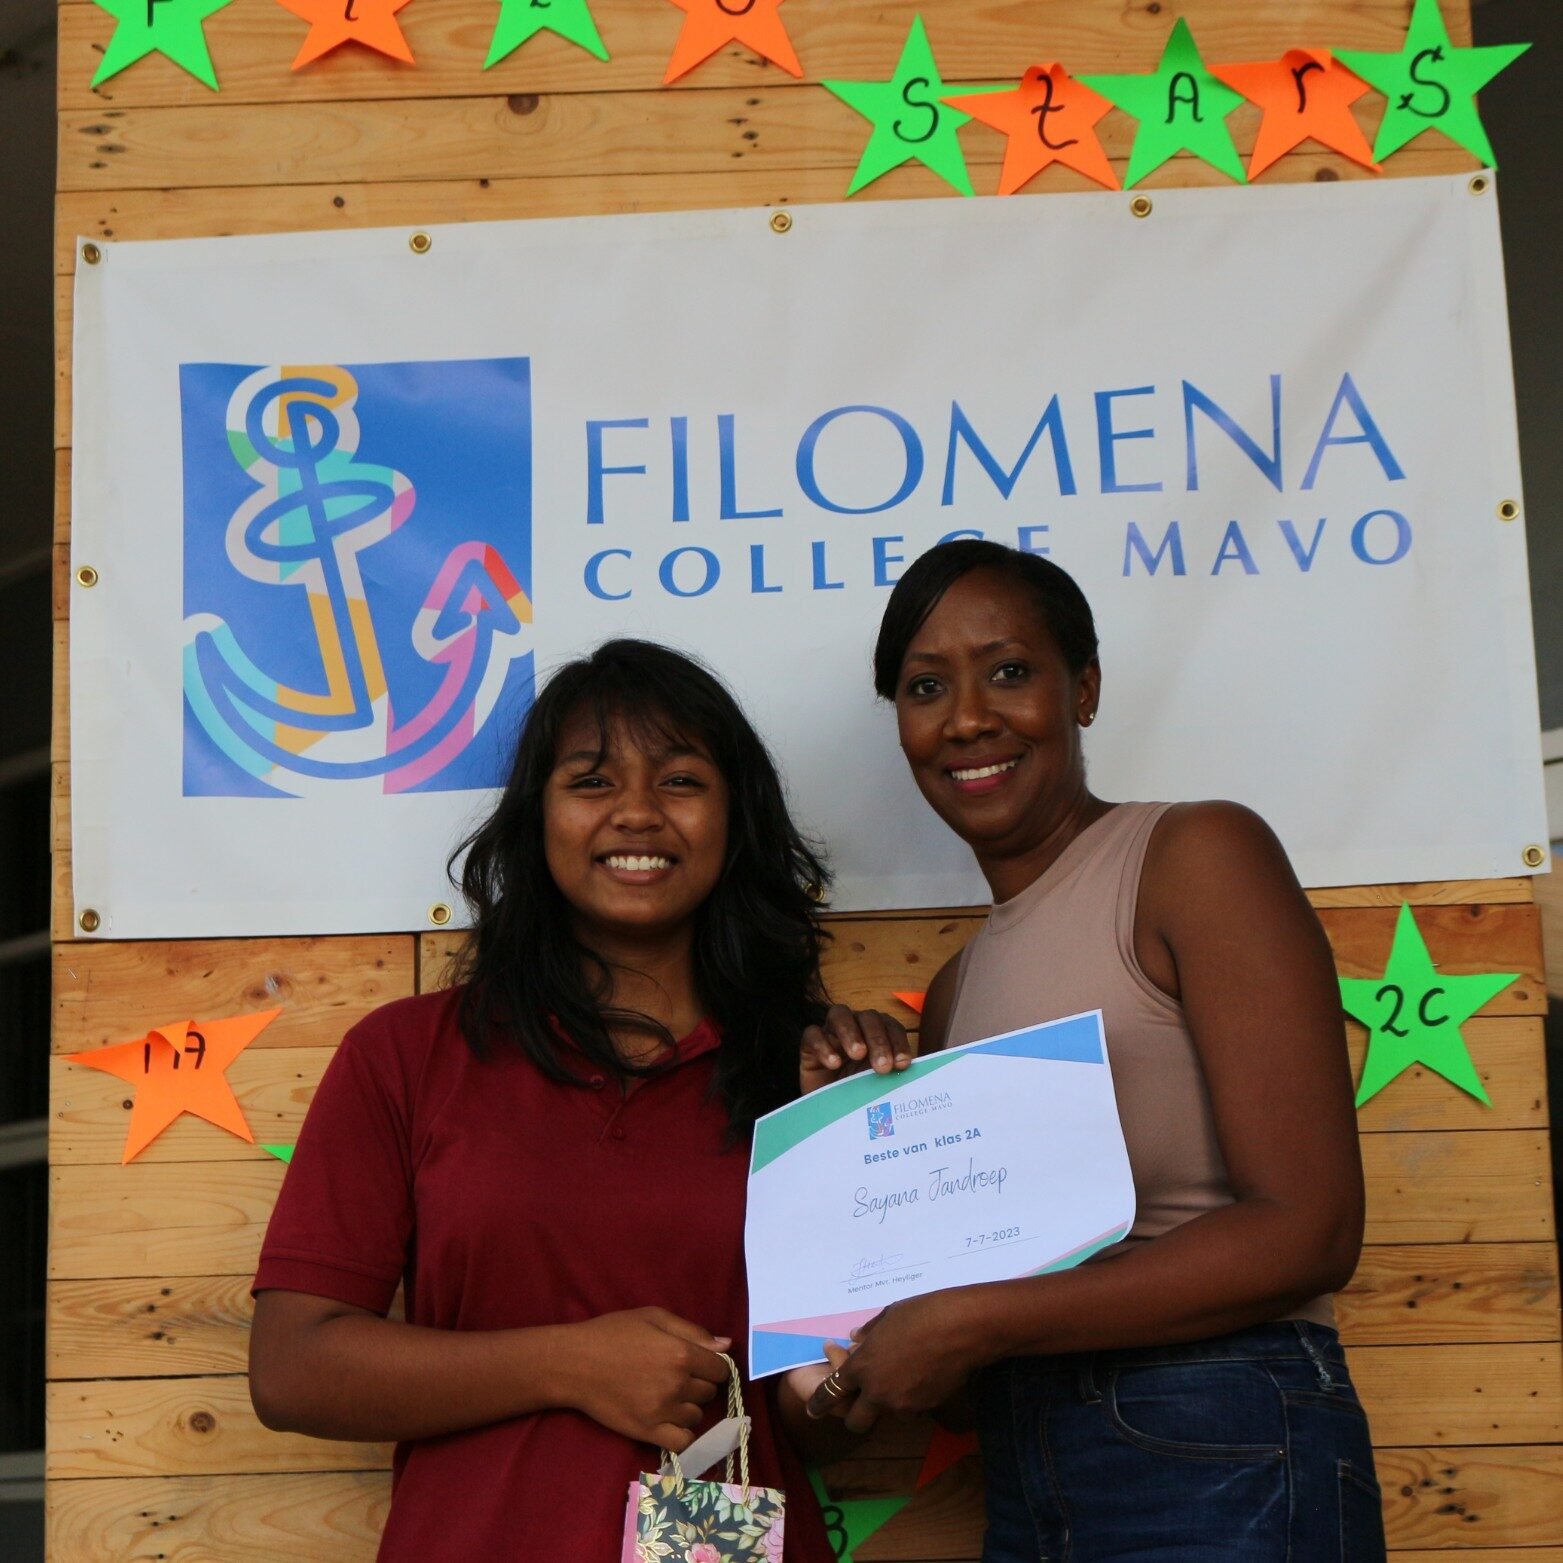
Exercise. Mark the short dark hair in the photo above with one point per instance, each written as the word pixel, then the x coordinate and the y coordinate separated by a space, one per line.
pixel 757 938
pixel 1059 601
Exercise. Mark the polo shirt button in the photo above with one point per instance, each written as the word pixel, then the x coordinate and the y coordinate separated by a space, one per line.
pixel 618 1131
pixel 596 1082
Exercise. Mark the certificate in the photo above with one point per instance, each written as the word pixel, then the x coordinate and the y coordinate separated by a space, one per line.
pixel 1002 1158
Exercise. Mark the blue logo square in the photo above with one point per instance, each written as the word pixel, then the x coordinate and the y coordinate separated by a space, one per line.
pixel 357 575
pixel 881 1121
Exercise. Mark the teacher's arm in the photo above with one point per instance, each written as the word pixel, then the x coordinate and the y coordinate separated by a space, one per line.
pixel 938 1005
pixel 1222 925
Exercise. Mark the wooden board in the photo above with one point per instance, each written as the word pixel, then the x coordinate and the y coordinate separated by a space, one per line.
pixel 207 1218
pixel 177 1518
pixel 372 199
pixel 1436 1499
pixel 1466 1395
pixel 1431 1293
pixel 253 46
pixel 181 1326
pixel 870 959
pixel 201 1426
pixel 115 992
pixel 275 1086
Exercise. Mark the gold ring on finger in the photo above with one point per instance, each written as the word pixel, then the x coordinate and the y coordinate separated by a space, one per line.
pixel 833 1387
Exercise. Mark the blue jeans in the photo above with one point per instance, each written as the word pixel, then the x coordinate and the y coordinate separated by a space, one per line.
pixel 1247 1448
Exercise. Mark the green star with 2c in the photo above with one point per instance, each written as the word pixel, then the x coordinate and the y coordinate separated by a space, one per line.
pixel 1181 107
pixel 909 120
pixel 1430 84
pixel 523 19
pixel 1414 1012
pixel 171 27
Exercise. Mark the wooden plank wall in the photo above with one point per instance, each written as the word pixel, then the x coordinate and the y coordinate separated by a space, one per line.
pixel 154 1452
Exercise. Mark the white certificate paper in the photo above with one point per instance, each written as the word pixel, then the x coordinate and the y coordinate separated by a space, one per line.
pixel 1002 1158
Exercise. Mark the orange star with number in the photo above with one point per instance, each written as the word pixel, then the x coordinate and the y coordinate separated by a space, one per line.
pixel 1306 95
pixel 334 22
pixel 180 1068
pixel 1049 118
pixel 708 24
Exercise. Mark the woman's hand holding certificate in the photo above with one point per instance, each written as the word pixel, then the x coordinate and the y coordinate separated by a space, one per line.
pixel 999 1159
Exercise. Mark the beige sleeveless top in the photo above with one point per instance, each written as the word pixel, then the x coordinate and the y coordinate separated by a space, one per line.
pixel 1065 944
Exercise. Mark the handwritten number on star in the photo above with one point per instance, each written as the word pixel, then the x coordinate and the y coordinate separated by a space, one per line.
pixel 1413 1013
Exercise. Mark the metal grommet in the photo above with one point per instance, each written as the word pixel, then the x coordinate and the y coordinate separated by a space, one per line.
pixel 439 914
pixel 1478 184
pixel 1140 206
pixel 1509 510
pixel 89 921
pixel 86 575
pixel 781 222
pixel 420 243
pixel 91 254
pixel 1534 856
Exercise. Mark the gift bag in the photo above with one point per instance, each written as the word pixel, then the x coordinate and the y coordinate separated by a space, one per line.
pixel 675 1515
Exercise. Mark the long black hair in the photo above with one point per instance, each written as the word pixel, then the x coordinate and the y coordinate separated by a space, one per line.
pixel 1059 601
pixel 757 939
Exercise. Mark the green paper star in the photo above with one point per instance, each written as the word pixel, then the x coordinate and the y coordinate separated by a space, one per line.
pixel 909 120
pixel 171 27
pixel 1430 84
pixel 523 19
pixel 1181 107
pixel 283 1153
pixel 1413 1014
pixel 849 1521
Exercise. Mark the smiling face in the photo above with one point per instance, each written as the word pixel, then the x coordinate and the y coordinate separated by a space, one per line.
pixel 634 830
pixel 990 717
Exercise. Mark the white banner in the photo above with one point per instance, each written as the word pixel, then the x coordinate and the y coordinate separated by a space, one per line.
pixel 347 496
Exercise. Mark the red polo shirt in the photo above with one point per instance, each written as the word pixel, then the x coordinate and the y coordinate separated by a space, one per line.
pixel 502 1200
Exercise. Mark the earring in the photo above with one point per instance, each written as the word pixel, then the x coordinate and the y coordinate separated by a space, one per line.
pixel 1087 717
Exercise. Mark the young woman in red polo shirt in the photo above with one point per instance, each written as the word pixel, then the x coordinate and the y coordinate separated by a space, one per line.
pixel 552 1157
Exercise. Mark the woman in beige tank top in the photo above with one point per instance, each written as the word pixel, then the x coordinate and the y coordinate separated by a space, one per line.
pixel 1184 1397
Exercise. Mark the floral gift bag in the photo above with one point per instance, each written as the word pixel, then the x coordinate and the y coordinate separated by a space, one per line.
pixel 676 1516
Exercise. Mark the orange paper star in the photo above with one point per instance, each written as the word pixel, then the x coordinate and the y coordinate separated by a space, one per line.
pixel 708 24
pixel 332 22
pixel 1306 94
pixel 912 1000
pixel 180 1068
pixel 1049 118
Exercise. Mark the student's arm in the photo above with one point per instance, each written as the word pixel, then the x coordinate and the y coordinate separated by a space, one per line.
pixel 335 1371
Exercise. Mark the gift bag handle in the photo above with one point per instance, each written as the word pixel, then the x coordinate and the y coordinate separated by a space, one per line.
pixel 735 1410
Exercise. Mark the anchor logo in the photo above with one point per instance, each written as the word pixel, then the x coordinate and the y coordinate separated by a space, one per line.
pixel 308 525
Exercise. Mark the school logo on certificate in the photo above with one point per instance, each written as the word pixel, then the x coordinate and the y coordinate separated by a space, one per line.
pixel 881 1121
